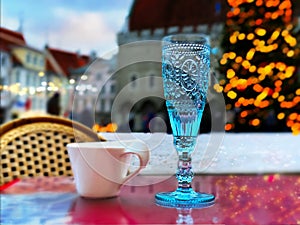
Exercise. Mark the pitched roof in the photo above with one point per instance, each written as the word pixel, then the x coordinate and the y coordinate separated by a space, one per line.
pixel 60 61
pixel 153 14
pixel 9 38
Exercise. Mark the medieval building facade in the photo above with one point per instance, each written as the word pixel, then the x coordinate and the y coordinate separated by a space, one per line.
pixel 139 57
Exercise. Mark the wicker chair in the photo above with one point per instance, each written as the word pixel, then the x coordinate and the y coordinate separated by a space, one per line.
pixel 36 146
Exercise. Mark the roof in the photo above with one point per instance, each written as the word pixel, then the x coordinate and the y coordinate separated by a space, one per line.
pixel 9 38
pixel 65 60
pixel 153 14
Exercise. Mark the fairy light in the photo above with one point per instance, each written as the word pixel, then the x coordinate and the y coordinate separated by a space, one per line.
pixel 255 122
pixel 238 59
pixel 241 84
pixel 244 114
pixel 241 36
pixel 231 55
pixel 218 88
pixel 228 126
pixel 252 68
pixel 250 36
pixel 281 116
pixel 232 94
pixel 250 54
pixel 249 80
pixel 260 31
pixel 230 73
pixel 290 53
pixel 258 88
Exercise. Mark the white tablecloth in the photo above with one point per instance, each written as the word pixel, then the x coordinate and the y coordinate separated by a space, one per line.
pixel 223 153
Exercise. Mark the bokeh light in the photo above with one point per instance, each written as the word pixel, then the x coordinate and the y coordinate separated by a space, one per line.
pixel 260 73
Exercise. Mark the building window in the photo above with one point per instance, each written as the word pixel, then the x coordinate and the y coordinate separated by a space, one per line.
pixel 133 81
pixel 28 57
pixel 28 79
pixel 112 89
pixel 3 60
pixel 102 91
pixel 18 76
pixel 41 61
pixel 151 81
pixel 217 8
pixel 35 60
pixel 98 76
pixel 102 105
pixel 111 104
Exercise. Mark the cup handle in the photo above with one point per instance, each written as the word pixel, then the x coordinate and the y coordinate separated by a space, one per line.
pixel 143 155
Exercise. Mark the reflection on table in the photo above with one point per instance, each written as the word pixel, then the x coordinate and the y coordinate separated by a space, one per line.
pixel 240 199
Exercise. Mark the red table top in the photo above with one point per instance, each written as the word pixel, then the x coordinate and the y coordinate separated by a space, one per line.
pixel 240 199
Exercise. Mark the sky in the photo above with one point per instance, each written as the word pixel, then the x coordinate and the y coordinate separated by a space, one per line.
pixel 72 25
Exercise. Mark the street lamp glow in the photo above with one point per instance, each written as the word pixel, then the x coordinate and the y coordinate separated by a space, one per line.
pixel 41 74
pixel 72 81
pixel 84 77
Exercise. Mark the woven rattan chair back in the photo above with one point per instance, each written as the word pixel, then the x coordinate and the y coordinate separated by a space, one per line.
pixel 36 146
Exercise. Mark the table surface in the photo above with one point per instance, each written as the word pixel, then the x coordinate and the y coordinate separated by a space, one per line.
pixel 240 199
pixel 223 153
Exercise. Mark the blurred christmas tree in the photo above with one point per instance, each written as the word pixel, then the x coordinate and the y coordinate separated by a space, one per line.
pixel 261 52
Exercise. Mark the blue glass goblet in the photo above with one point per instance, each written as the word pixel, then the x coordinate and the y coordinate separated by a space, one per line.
pixel 185 72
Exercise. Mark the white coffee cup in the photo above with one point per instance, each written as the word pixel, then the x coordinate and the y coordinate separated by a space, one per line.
pixel 101 168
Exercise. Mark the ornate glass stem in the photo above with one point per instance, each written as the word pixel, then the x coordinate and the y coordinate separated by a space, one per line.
pixel 184 172
pixel 184 146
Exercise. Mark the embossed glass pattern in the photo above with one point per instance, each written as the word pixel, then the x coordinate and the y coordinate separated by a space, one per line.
pixel 185 72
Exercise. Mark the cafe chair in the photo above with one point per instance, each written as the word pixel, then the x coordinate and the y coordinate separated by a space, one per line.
pixel 36 146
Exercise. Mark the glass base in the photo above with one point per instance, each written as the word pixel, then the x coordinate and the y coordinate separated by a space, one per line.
pixel 184 198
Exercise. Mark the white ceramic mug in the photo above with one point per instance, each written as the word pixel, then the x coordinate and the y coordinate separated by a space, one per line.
pixel 101 168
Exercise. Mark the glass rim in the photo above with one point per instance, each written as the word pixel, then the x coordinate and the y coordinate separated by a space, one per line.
pixel 197 38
